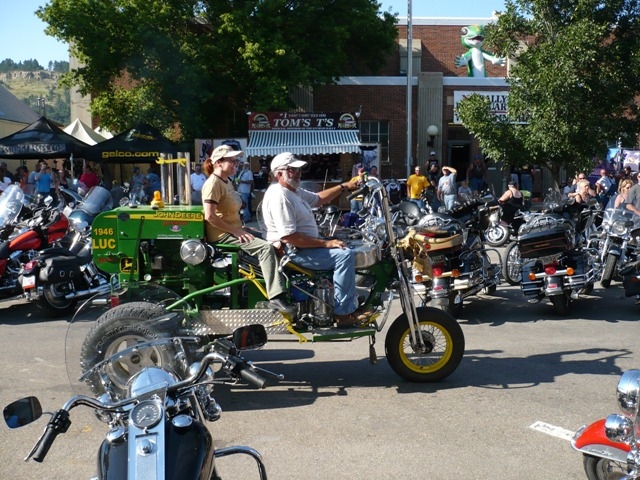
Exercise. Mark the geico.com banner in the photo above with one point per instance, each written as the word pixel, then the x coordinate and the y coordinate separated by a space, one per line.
pixel 125 154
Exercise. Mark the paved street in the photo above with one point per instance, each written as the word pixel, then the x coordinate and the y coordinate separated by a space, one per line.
pixel 335 416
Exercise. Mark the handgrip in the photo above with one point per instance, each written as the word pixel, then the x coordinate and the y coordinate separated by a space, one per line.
pixel 357 193
pixel 59 423
pixel 249 375
pixel 45 443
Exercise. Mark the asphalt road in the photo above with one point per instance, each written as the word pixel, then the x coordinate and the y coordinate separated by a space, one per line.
pixel 336 416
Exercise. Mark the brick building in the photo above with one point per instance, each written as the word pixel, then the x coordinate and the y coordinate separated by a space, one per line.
pixel 436 85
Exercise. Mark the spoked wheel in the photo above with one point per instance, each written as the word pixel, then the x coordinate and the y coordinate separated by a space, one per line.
pixel 512 264
pixel 53 299
pixel 497 236
pixel 440 355
pixel 118 329
pixel 603 469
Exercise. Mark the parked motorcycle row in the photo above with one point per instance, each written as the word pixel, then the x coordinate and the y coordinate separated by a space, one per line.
pixel 45 247
pixel 557 253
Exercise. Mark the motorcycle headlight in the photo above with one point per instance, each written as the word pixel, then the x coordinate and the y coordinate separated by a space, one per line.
pixel 627 392
pixel 618 428
pixel 193 252
pixel 619 228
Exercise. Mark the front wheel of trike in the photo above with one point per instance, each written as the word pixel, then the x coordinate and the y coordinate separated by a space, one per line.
pixel 441 354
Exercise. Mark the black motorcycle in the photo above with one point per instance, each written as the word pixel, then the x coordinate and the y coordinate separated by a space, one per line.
pixel 551 257
pixel 61 275
pixel 156 397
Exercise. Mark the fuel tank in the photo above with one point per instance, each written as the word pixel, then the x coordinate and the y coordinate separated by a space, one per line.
pixel 189 454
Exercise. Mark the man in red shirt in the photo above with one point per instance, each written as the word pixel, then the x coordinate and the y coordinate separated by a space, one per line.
pixel 88 179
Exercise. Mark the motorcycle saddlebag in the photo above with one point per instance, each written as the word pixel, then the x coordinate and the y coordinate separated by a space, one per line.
pixel 630 279
pixel 548 235
pixel 60 269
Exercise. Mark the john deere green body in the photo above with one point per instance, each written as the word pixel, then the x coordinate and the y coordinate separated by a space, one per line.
pixel 143 244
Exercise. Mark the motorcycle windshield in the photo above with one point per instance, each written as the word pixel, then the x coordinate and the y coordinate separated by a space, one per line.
pixel 97 200
pixel 11 202
pixel 102 356
pixel 612 215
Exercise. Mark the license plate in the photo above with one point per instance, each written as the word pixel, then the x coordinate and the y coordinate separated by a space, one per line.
pixel 29 282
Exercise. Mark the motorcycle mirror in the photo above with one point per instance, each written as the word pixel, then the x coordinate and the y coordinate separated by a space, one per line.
pixel 124 201
pixel 22 412
pixel 250 337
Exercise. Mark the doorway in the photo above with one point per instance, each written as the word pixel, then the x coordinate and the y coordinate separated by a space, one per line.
pixel 460 156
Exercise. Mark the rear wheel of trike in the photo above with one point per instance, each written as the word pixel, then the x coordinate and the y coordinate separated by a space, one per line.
pixel 442 352
pixel 119 328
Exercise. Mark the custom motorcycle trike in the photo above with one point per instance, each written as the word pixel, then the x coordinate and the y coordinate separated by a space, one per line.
pixel 220 287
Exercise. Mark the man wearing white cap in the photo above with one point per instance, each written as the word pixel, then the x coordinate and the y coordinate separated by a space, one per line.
pixel 221 205
pixel 287 216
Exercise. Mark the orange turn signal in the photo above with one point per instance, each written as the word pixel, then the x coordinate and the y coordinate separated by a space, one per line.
pixel 570 271
pixel 532 276
pixel 455 273
pixel 418 278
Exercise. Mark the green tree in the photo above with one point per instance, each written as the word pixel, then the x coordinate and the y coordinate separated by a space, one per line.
pixel 200 64
pixel 575 80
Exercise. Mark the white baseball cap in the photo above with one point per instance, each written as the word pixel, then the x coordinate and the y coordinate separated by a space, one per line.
pixel 286 159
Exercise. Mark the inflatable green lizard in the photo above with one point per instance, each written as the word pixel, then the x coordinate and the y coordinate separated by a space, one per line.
pixel 472 37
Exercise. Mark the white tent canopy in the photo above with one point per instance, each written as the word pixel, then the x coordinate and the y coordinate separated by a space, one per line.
pixel 104 132
pixel 81 131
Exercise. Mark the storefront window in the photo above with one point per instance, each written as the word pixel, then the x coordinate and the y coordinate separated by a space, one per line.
pixel 376 131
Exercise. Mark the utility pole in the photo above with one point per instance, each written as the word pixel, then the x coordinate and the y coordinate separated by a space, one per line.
pixel 409 85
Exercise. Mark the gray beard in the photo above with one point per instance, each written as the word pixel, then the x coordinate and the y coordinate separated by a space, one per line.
pixel 292 182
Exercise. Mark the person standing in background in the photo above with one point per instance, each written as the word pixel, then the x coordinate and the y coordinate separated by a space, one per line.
pixel 476 174
pixel 245 188
pixel 197 180
pixel 447 187
pixel 526 179
pixel 355 204
pixel 416 184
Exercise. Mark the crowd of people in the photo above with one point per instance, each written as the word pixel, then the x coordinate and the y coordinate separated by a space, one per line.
pixel 611 189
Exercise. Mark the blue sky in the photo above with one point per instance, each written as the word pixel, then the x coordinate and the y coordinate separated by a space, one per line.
pixel 22 33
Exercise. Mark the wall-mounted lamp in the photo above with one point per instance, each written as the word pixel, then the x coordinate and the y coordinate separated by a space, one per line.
pixel 359 112
pixel 432 131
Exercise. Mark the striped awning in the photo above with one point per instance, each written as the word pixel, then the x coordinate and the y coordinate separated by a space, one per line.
pixel 303 142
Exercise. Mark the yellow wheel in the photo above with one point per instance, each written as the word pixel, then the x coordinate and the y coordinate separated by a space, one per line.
pixel 437 358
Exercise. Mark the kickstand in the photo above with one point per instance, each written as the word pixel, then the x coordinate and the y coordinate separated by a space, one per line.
pixel 373 358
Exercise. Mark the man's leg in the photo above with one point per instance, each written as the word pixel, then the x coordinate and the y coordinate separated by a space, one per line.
pixel 264 252
pixel 342 262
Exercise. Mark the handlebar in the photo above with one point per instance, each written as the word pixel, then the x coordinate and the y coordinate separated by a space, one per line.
pixel 357 193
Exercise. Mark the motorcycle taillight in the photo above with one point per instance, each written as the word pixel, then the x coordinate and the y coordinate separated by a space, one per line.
pixel 437 271
pixel 550 269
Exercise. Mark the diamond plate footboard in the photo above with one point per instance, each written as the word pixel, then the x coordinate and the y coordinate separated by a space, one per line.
pixel 224 322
